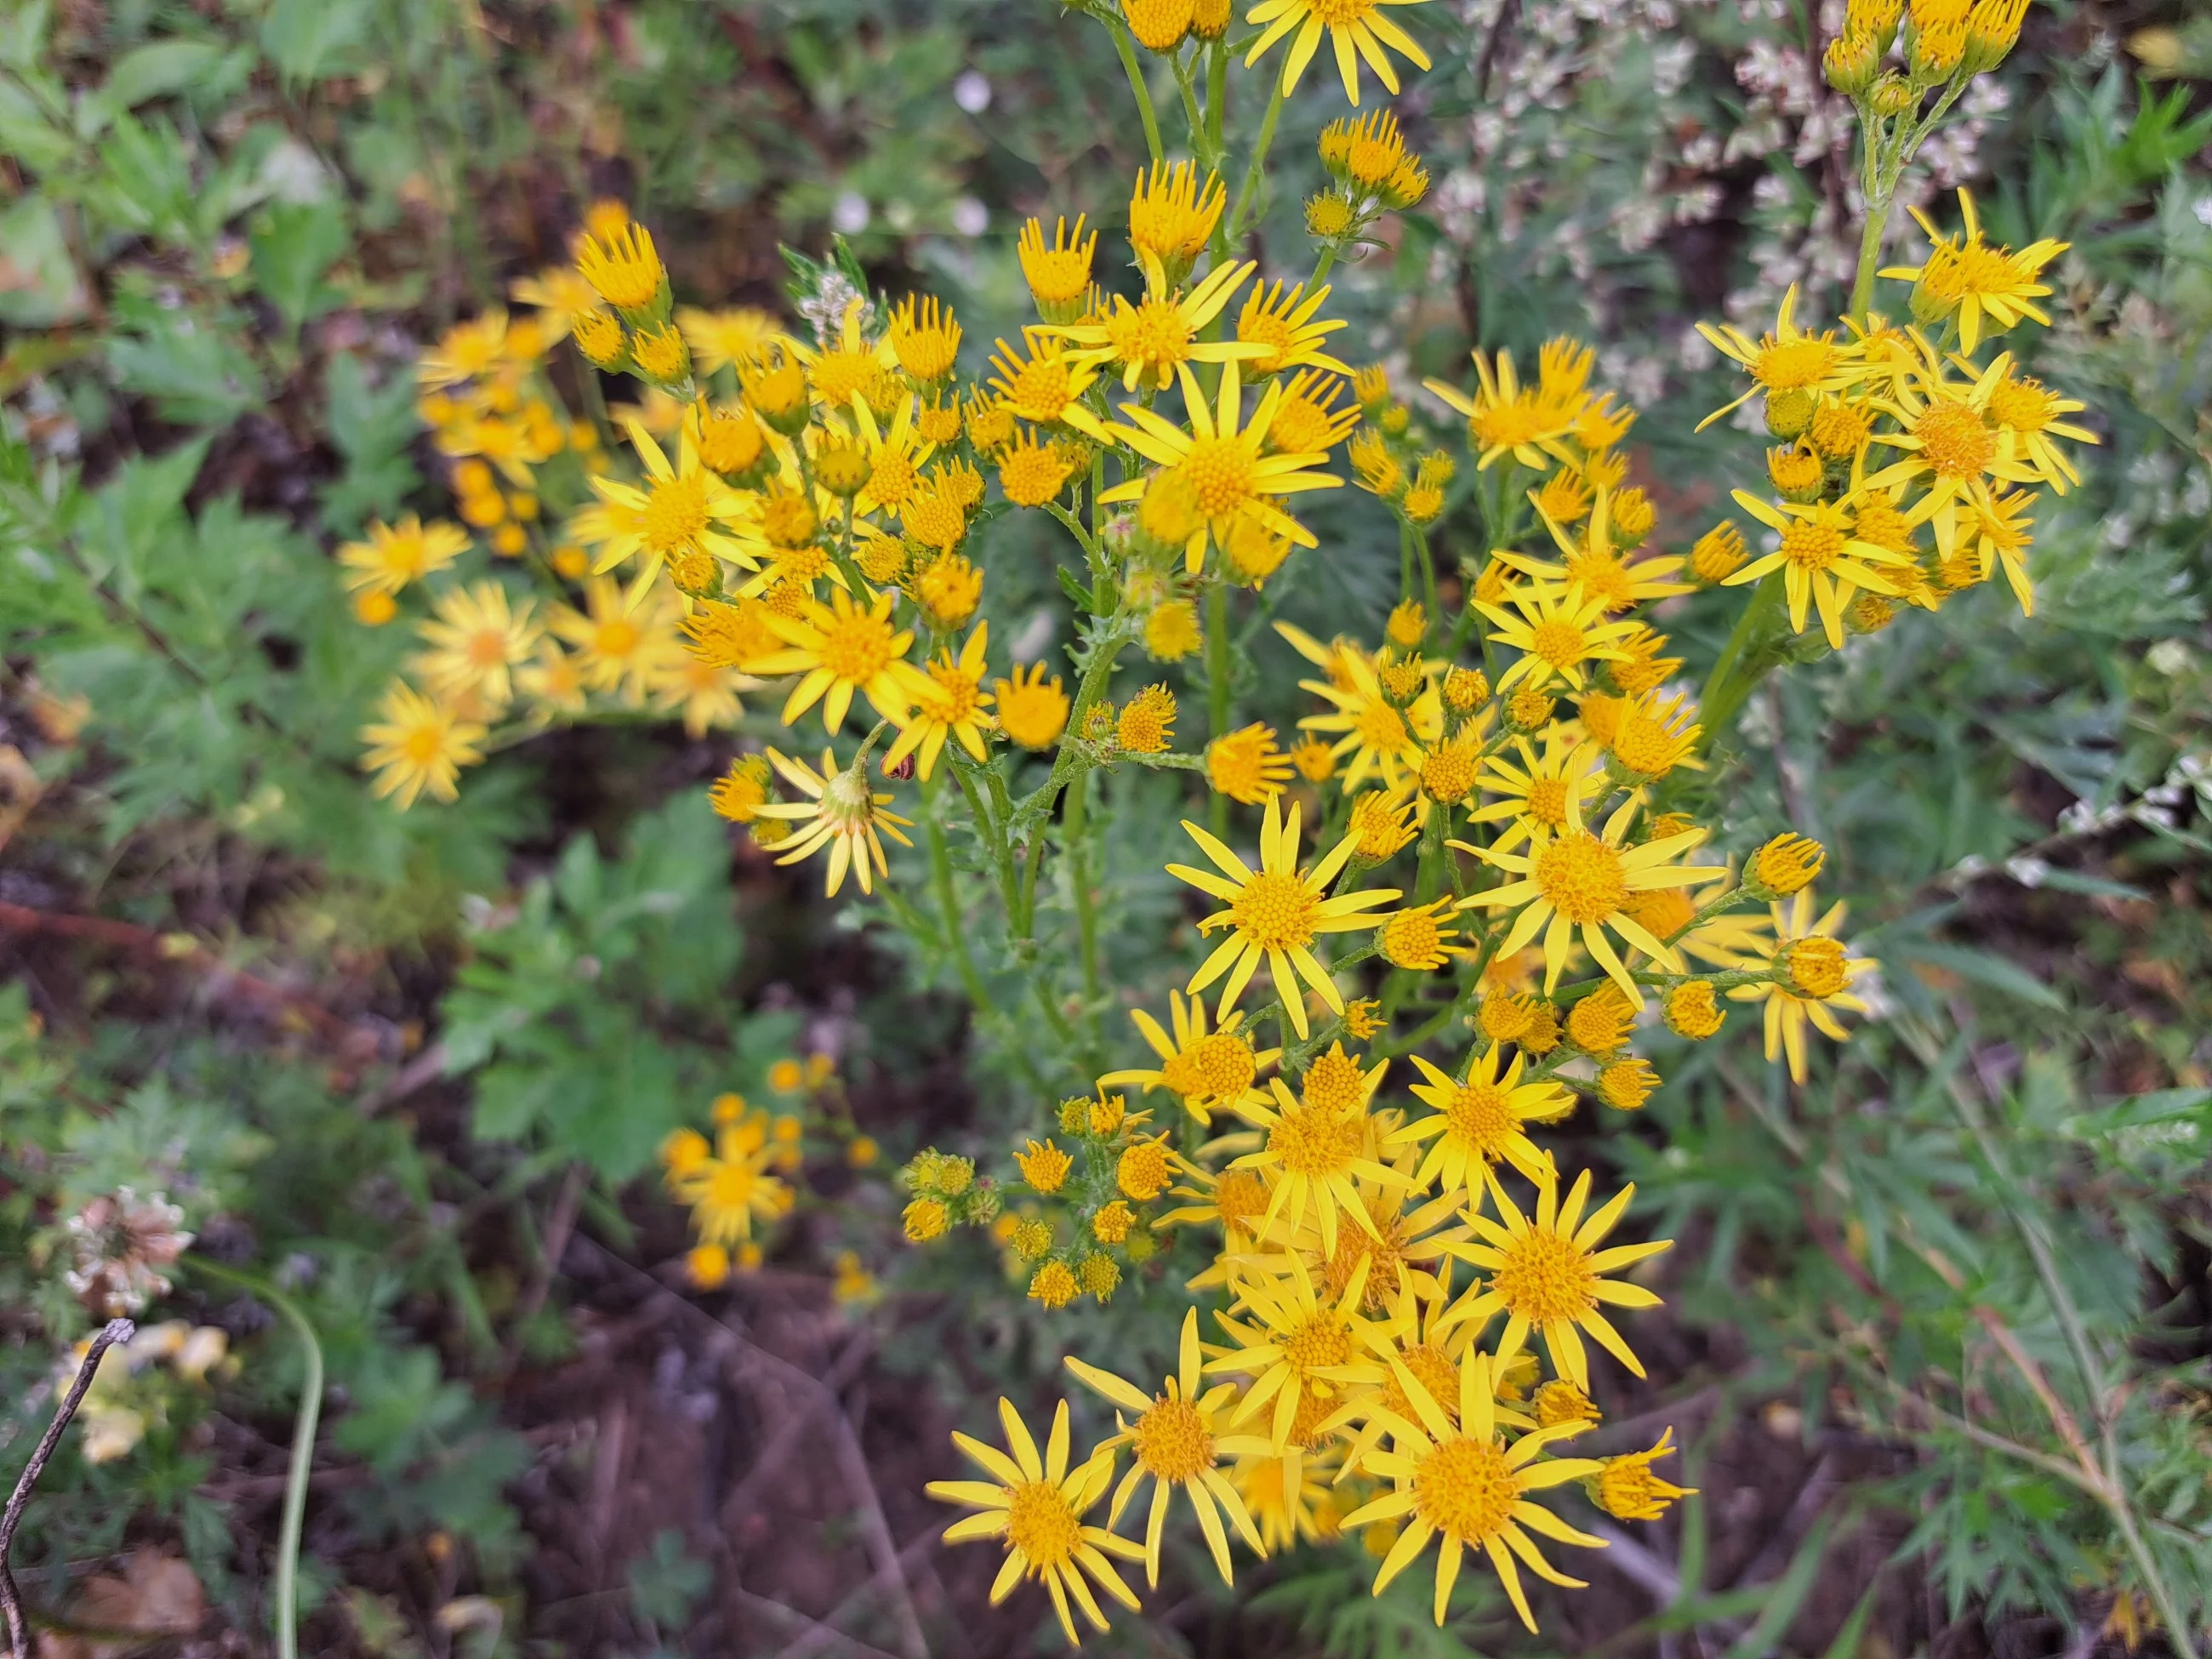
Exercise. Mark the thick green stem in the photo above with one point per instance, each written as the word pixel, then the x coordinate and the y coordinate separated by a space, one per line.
pixel 1870 235
pixel 1127 48
pixel 1079 879
pixel 1322 266
pixel 1217 90
pixel 948 901
pixel 1730 684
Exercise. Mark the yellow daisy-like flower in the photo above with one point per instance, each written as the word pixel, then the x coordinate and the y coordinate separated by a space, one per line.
pixel 1592 558
pixel 1177 1440
pixel 1559 631
pixel 705 694
pixel 1812 969
pixel 1382 739
pixel 840 813
pixel 850 365
pixel 1160 335
pixel 477 638
pixel 1788 359
pixel 1289 1505
pixel 1036 1506
pixel 619 648
pixel 1032 709
pixel 1058 275
pixel 1285 324
pixel 1307 420
pixel 1575 882
pixel 1246 766
pixel 561 295
pixel 1541 792
pixel 1458 1480
pixel 676 512
pixel 1419 938
pixel 1225 461
pixel 895 455
pixel 1504 419
pixel 954 705
pixel 732 338
pixel 842 650
pixel 1548 1274
pixel 1172 212
pixel 1627 1490
pixel 733 1189
pixel 1299 1346
pixel 464 351
pixel 1479 1121
pixel 2027 414
pixel 1357 28
pixel 1275 914
pixel 1987 288
pixel 1209 1072
pixel 620 262
pixel 1313 1151
pixel 1822 559
pixel 1951 442
pixel 396 555
pixel 418 745
pixel 1044 383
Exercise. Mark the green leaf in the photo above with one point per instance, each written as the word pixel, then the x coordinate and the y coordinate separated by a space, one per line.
pixel 1786 1596
pixel 195 373
pixel 310 39
pixel 668 1580
pixel 294 244
pixel 373 427
pixel 41 287
pixel 158 70
pixel 1983 969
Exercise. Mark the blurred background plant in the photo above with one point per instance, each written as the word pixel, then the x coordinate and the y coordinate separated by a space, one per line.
pixel 1939 1320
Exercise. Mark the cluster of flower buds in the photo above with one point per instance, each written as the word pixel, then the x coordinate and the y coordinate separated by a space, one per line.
pixel 1374 172
pixel 1943 43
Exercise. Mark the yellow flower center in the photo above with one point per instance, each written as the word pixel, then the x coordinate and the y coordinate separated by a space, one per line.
pixel 1582 877
pixel 1240 1198
pixel 675 512
pixel 959 693
pixel 1314 1143
pixel 1222 472
pixel 1544 1278
pixel 1953 272
pixel 1219 1065
pixel 1300 427
pixel 2021 405
pixel 616 638
pixel 1506 425
pixel 1478 1118
pixel 1447 775
pixel 1171 1441
pixel 1153 335
pixel 838 375
pixel 1041 391
pixel 1818 967
pixel 1881 524
pixel 1333 1082
pixel 1603 577
pixel 1433 1369
pixel 1382 1253
pixel 424 744
pixel 1547 801
pixel 1322 1339
pixel 1382 728
pixel 892 481
pixel 1266 328
pixel 1031 476
pixel 1466 1489
pixel 486 647
pixel 1793 365
pixel 1041 1524
pixel 1812 545
pixel 1275 912
pixel 1956 442
pixel 1557 641
pixel 1412 938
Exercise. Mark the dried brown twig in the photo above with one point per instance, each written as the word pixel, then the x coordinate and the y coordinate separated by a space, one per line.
pixel 19 1633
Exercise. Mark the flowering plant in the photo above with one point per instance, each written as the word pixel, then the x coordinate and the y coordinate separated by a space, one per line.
pixel 1480 864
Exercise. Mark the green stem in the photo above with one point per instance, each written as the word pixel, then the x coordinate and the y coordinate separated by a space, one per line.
pixel 303 1450
pixel 1191 113
pixel 1078 878
pixel 1321 268
pixel 1254 172
pixel 1870 235
pixel 1217 692
pixel 1217 90
pixel 1728 684
pixel 1127 48
pixel 948 901
pixel 1429 595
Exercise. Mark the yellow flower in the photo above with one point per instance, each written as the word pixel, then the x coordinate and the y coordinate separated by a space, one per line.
pixel 1382 738
pixel 1418 938
pixel 1171 214
pixel 1246 766
pixel 1032 474
pixel 1172 631
pixel 949 589
pixel 2026 414
pixel 1357 28
pixel 1285 324
pixel 726 339
pixel 465 350
pixel 840 814
pixel 850 365
pixel 1822 558
pixel 924 338
pixel 843 650
pixel 1036 1505
pixel 1458 1480
pixel 1207 1070
pixel 561 295
pixel 731 1190
pixel 1985 286
pixel 1504 418
pixel 1146 723
pixel 1574 880
pixel 1786 360
pixel 1044 1167
pixel 1044 383
pixel 1058 275
pixel 1032 711
pixel 677 510
pixel 1178 1439
pixel 1275 914
pixel 1557 631
pixel 1812 971
pixel 954 704
pixel 396 555
pixel 477 639
pixel 1627 1490
pixel 1300 1347
pixel 1541 792
pixel 1549 1275
pixel 418 745
pixel 1313 1153
pixel 623 266
pixel 1479 1121
pixel 1160 337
